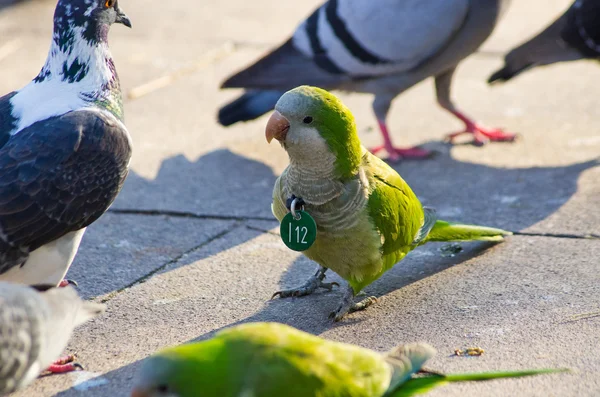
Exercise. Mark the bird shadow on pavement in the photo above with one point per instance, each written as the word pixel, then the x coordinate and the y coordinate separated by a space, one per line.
pixel 9 3
pixel 514 199
pixel 154 222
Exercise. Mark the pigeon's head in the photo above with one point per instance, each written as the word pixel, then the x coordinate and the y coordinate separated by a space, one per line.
pixel 93 16
pixel 316 129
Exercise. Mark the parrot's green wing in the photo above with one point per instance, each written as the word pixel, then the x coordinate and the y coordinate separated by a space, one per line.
pixel 395 210
pixel 278 207
pixel 276 360
pixel 421 385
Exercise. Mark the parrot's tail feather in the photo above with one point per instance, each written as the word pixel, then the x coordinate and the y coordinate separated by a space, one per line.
pixel 249 106
pixel 501 374
pixel 421 385
pixel 446 231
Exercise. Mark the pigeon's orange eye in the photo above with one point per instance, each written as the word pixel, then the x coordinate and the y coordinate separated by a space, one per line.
pixel 109 3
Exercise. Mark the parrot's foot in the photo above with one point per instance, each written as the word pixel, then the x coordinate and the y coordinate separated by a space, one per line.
pixel 363 304
pixel 309 287
pixel 348 306
pixel 64 364
pixel 66 282
pixel 397 154
pixel 483 135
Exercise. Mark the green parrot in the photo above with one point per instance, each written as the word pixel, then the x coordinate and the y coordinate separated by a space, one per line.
pixel 271 359
pixel 367 216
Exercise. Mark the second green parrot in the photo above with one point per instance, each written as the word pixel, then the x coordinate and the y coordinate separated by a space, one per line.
pixel 271 359
pixel 367 216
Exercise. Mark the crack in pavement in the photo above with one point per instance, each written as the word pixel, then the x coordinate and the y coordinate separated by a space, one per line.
pixel 186 214
pixel 590 236
pixel 179 257
pixel 194 215
pixel 550 235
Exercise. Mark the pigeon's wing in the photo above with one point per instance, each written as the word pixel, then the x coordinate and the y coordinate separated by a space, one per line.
pixel 57 176
pixel 7 121
pixel 355 39
pixel 21 316
pixel 283 69
pixel 582 31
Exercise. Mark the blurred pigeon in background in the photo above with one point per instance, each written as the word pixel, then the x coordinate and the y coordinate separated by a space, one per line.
pixel 35 326
pixel 383 47
pixel 573 36
pixel 64 150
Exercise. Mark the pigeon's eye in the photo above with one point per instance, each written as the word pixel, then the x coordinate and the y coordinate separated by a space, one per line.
pixel 110 3
pixel 162 388
pixel 307 120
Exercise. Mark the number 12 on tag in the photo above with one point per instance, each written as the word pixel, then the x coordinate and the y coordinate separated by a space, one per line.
pixel 298 234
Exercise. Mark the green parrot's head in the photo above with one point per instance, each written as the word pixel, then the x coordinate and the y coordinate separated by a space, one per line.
pixel 316 130
pixel 182 371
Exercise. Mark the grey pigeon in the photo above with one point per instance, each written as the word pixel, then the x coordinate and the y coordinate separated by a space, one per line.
pixel 64 150
pixel 35 327
pixel 381 47
pixel 574 35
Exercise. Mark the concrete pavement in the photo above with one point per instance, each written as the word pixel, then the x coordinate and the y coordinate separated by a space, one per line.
pixel 188 247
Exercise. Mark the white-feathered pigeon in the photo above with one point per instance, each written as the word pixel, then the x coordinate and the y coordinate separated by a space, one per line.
pixel 380 47
pixel 64 150
pixel 573 36
pixel 35 326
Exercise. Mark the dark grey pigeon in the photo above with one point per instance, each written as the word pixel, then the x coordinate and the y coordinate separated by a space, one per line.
pixel 380 47
pixel 573 36
pixel 64 150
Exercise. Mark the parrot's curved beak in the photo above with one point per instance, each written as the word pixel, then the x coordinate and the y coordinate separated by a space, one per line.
pixel 138 393
pixel 277 127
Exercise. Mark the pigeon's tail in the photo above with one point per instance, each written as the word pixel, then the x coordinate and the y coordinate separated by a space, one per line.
pixel 88 311
pixel 446 231
pixel 546 48
pixel 249 106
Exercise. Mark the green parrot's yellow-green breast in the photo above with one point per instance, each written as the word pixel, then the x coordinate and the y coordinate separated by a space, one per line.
pixel 365 231
pixel 282 361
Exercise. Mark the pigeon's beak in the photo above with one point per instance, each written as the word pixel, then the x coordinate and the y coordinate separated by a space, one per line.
pixel 277 127
pixel 122 18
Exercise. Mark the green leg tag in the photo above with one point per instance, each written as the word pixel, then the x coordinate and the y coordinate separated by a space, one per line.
pixel 298 234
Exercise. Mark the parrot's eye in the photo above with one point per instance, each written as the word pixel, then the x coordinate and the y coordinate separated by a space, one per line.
pixel 162 388
pixel 110 3
pixel 307 120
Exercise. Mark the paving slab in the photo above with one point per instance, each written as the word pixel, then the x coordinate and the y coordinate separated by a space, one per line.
pixel 118 249
pixel 516 300
pixel 188 248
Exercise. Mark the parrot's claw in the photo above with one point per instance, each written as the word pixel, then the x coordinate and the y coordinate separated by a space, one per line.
pixel 348 306
pixel 363 304
pixel 313 283
pixel 397 154
pixel 64 364
pixel 483 135
pixel 67 282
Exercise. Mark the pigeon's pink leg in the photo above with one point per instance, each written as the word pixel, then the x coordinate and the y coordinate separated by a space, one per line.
pixel 481 135
pixel 396 154
pixel 64 364
pixel 66 282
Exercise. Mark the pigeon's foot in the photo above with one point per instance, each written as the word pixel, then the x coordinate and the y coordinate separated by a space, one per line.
pixel 66 282
pixel 309 287
pixel 348 306
pixel 481 135
pixel 64 364
pixel 397 154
